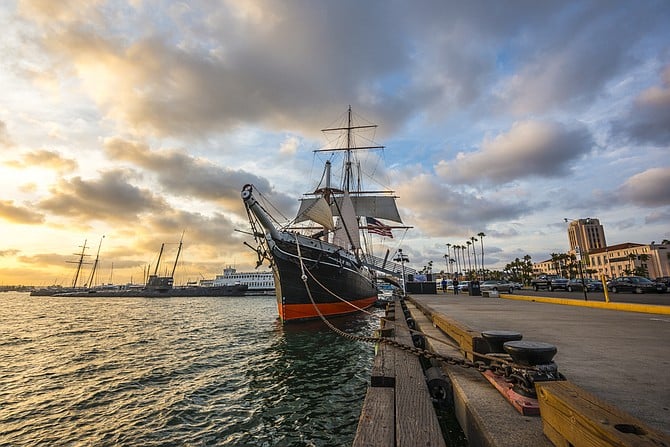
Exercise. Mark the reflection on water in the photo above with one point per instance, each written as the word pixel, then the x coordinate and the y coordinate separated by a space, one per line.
pixel 176 371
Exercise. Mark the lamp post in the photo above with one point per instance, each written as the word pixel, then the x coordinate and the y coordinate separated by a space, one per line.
pixel 402 258
pixel 581 272
pixel 481 241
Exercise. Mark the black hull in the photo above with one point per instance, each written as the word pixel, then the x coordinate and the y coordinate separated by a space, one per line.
pixel 336 283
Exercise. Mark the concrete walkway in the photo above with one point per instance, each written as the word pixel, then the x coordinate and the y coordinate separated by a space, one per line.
pixel 621 357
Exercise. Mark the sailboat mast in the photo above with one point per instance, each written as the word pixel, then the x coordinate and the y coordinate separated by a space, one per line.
pixel 159 259
pixel 79 263
pixel 174 267
pixel 95 263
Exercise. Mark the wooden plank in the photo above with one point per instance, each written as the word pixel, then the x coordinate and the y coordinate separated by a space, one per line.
pixel 415 419
pixel 376 426
pixel 572 416
pixel 383 367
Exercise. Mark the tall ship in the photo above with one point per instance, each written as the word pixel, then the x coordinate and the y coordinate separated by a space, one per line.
pixel 322 260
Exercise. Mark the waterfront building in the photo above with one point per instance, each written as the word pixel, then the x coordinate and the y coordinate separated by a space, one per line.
pixel 586 235
pixel 618 260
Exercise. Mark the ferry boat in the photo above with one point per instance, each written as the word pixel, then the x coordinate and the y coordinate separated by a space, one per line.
pixel 322 260
pixel 257 282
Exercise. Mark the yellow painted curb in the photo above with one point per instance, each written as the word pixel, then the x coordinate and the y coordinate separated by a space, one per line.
pixel 628 307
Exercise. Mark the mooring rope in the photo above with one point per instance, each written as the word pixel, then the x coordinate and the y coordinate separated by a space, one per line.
pixel 480 365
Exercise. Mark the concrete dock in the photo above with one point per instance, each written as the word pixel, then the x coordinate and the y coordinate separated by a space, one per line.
pixel 618 358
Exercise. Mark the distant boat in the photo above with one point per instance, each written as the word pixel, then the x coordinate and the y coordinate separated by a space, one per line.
pixel 330 253
pixel 54 289
pixel 145 292
pixel 156 286
pixel 262 282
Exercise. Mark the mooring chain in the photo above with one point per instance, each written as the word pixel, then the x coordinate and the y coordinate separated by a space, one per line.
pixel 451 360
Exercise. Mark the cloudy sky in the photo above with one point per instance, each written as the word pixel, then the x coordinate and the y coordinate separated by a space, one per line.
pixel 139 120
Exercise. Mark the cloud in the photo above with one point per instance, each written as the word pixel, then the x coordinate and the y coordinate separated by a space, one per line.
pixel 649 188
pixel 111 198
pixel 45 159
pixel 529 149
pixel 5 139
pixel 648 120
pixel 19 214
pixel 289 146
pixel 184 175
pixel 442 210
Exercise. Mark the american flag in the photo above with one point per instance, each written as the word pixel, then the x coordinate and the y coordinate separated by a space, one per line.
pixel 376 227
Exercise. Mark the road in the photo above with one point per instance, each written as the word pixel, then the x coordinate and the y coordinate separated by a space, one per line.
pixel 660 299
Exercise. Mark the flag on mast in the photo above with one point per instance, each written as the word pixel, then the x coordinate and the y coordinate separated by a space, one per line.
pixel 376 227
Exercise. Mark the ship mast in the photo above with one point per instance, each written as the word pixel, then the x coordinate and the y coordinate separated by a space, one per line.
pixel 159 259
pixel 95 263
pixel 79 263
pixel 174 267
pixel 350 147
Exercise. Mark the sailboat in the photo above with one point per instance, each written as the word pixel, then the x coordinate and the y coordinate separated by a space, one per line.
pixel 324 268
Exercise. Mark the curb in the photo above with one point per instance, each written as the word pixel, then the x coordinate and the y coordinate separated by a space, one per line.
pixel 627 307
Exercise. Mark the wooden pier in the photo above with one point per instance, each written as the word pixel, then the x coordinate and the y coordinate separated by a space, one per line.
pixel 398 409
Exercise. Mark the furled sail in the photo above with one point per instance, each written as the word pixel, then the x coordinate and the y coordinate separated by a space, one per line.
pixel 346 232
pixel 380 207
pixel 317 210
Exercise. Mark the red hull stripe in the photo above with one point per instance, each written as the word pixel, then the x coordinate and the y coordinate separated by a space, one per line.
pixel 289 312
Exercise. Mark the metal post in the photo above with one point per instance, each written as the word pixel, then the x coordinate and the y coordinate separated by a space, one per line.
pixel 581 271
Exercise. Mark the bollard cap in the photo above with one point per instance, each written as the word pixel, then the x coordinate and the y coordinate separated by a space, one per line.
pixel 530 353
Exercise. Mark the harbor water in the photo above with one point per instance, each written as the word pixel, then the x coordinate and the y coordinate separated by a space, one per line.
pixel 176 372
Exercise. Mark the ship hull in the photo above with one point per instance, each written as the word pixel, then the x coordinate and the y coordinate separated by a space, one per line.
pixel 219 291
pixel 335 284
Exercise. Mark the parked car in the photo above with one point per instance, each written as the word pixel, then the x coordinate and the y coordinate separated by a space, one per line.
pixel 542 282
pixel 496 284
pixel 575 285
pixel 592 285
pixel 665 280
pixel 385 292
pixel 450 285
pixel 635 284
pixel 558 284
pixel 463 286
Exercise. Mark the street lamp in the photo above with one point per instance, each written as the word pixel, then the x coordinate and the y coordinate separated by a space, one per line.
pixel 402 258
pixel 581 272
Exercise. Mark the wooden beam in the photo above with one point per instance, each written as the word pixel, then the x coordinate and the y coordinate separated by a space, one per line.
pixel 572 416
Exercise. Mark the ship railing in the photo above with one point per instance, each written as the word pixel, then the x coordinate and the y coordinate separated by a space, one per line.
pixel 385 266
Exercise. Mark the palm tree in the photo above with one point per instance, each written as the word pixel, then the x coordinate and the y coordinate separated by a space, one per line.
pixel 474 252
pixel 448 252
pixel 467 248
pixel 481 240
pixel 457 250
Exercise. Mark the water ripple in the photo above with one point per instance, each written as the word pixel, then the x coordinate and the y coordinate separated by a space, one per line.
pixel 176 371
